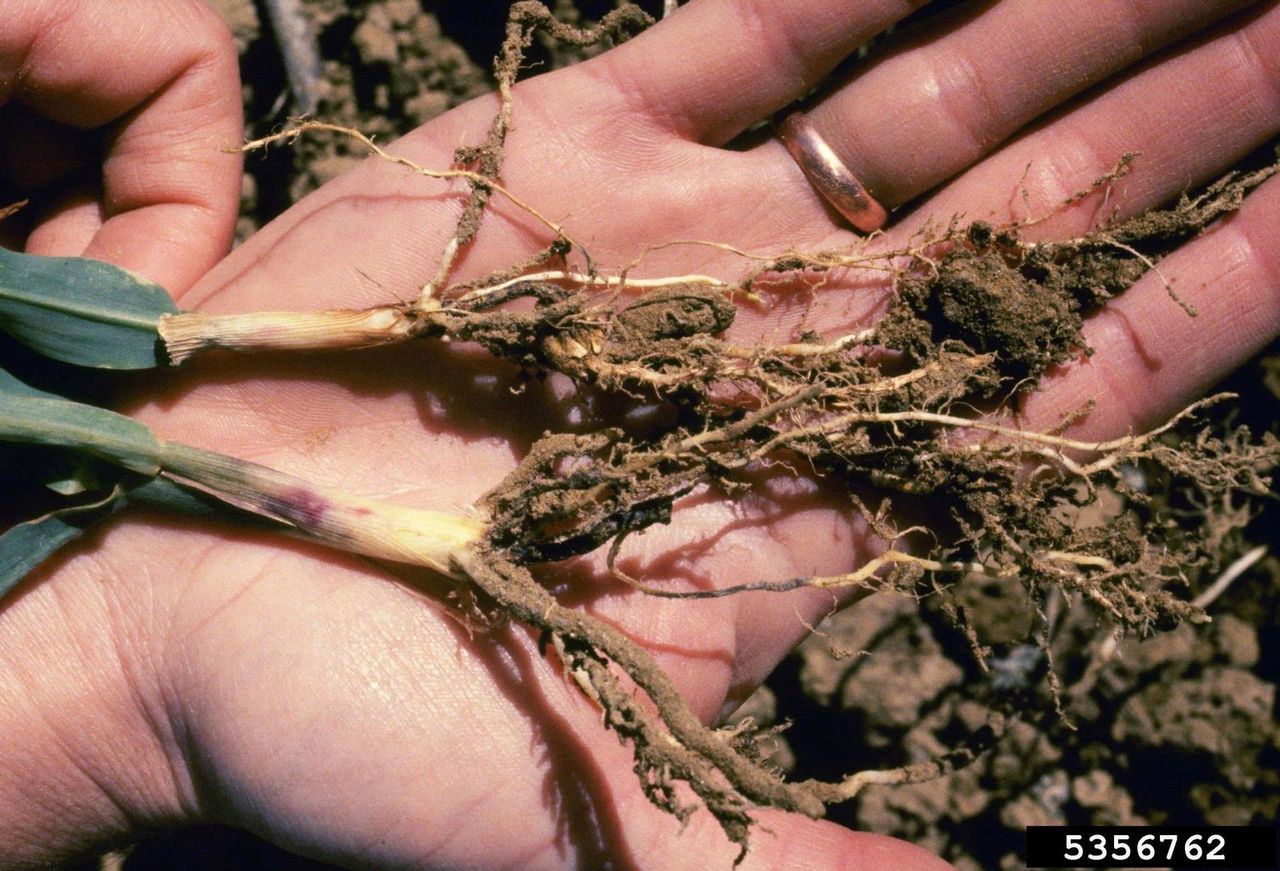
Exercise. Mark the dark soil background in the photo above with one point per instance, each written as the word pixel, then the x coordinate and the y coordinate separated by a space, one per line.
pixel 1177 729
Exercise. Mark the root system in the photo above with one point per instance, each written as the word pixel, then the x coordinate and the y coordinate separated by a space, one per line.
pixel 978 315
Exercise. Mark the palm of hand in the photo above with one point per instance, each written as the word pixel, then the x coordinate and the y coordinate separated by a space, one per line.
pixel 345 715
pixel 389 696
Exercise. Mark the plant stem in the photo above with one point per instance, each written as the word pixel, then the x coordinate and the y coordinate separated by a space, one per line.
pixel 189 333
pixel 329 515
pixel 324 514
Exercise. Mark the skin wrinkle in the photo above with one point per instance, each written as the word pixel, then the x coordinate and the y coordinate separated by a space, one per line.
pixel 238 408
pixel 502 656
pixel 104 676
pixel 501 742
pixel 177 716
pixel 1133 14
pixel 132 184
pixel 138 662
pixel 234 292
pixel 383 659
pixel 116 817
pixel 448 840
pixel 1231 59
pixel 957 74
pixel 314 398
pixel 389 827
pixel 636 100
pixel 1261 66
pixel 228 603
pixel 1111 391
pixel 1262 251
pixel 44 30
pixel 638 154
pixel 141 143
pixel 1055 178
pixel 784 53
pixel 157 664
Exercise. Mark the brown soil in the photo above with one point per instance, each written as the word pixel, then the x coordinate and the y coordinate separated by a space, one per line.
pixel 1179 729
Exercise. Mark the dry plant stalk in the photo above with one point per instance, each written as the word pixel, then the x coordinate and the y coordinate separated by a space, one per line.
pixel 978 314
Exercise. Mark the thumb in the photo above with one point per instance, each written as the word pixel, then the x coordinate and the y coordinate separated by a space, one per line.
pixel 159 81
pixel 779 841
pixel 791 841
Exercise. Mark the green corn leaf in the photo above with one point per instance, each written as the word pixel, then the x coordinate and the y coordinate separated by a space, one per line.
pixel 10 385
pixel 66 473
pixel 96 431
pixel 32 416
pixel 26 545
pixel 50 419
pixel 171 497
pixel 81 311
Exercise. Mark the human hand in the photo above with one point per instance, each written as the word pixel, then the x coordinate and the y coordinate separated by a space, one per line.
pixel 115 120
pixel 408 742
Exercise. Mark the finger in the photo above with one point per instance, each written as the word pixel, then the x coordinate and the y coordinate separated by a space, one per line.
pixel 1152 358
pixel 794 842
pixel 717 66
pixel 170 190
pixel 960 90
pixel 1188 115
pixel 69 223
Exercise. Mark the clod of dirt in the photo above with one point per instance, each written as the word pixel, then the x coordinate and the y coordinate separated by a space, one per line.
pixel 911 651
pixel 995 308
pixel 845 637
pixel 1112 804
pixel 1172 649
pixel 1237 640
pixel 898 645
pixel 1227 715
pixel 677 313
pixel 1031 809
pixel 999 609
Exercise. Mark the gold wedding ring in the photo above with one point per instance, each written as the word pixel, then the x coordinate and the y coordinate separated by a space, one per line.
pixel 829 176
